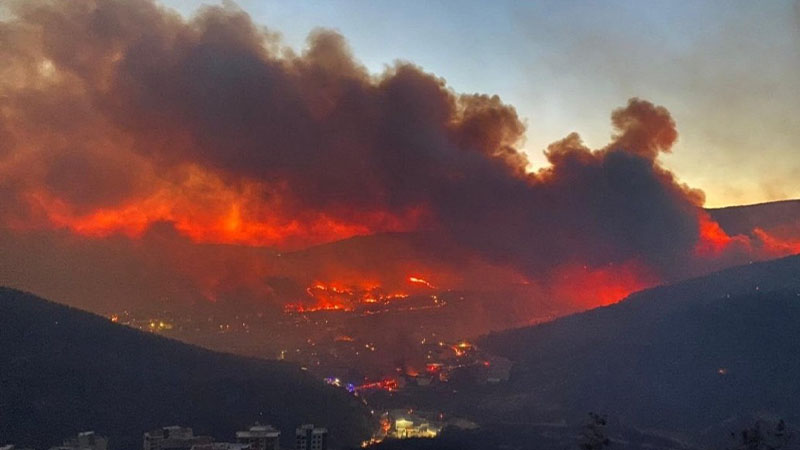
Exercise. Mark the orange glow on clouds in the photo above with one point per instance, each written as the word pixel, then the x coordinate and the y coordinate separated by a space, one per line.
pixel 589 287
pixel 776 245
pixel 207 210
pixel 713 240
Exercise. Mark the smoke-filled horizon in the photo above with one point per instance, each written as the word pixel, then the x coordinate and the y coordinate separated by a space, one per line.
pixel 726 71
pixel 146 156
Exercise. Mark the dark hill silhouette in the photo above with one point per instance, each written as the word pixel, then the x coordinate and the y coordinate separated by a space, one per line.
pixel 678 358
pixel 63 370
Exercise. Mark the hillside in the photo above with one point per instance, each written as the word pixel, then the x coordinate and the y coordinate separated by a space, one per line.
pixel 744 219
pixel 678 358
pixel 65 370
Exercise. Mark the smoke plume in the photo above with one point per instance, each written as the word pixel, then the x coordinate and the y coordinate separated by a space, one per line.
pixel 192 146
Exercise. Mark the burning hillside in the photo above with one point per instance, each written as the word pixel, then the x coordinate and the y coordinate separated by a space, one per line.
pixel 201 159
pixel 346 298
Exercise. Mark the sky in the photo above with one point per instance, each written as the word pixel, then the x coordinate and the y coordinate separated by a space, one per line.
pixel 728 71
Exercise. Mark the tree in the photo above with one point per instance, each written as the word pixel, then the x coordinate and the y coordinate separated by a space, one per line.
pixel 756 438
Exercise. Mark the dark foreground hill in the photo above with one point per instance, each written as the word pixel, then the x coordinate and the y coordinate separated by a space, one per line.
pixel 63 370
pixel 681 359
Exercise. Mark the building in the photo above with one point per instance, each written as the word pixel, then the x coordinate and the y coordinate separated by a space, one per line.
pixel 86 440
pixel 309 437
pixel 407 428
pixel 260 437
pixel 404 424
pixel 173 438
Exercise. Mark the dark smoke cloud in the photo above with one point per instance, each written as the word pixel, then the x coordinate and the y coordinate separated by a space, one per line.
pixel 108 104
pixel 592 207
pixel 215 92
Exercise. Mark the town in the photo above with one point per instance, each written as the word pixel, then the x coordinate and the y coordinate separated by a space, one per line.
pixel 361 351
pixel 256 437
pixel 395 424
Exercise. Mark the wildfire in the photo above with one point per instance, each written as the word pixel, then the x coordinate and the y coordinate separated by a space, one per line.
pixel 206 209
pixel 777 246
pixel 337 158
pixel 713 239
pixel 341 297
pixel 602 286
pixel 388 384
pixel 589 287
pixel 298 308
pixel 461 348
pixel 421 281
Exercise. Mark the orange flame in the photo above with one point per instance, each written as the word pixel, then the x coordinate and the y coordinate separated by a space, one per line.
pixel 713 239
pixel 590 287
pixel 206 209
pixel 421 281
pixel 778 246
pixel 340 297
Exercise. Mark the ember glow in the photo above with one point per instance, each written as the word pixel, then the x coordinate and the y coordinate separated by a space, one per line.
pixel 713 239
pixel 421 281
pixel 588 287
pixel 206 210
pixel 214 164
pixel 778 245
pixel 340 297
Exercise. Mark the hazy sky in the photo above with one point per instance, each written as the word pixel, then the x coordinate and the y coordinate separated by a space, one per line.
pixel 729 71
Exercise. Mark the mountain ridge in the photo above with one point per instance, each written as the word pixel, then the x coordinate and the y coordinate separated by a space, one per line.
pixel 67 370
pixel 678 358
